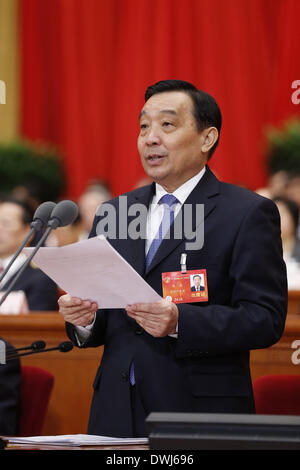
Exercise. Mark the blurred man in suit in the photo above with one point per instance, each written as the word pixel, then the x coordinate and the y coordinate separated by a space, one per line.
pixel 185 357
pixel 10 383
pixel 40 290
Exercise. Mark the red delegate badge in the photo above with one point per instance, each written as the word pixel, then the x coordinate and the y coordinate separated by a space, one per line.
pixel 190 286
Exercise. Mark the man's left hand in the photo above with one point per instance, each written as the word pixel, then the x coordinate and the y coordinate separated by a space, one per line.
pixel 158 318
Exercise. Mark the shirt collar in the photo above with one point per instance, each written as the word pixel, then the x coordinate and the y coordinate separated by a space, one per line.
pixel 18 262
pixel 182 192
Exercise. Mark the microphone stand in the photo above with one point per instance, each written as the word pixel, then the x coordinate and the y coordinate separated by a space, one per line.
pixel 62 347
pixel 63 214
pixel 17 253
pixel 41 217
pixel 36 346
pixel 10 287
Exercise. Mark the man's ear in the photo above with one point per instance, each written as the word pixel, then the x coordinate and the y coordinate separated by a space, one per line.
pixel 210 135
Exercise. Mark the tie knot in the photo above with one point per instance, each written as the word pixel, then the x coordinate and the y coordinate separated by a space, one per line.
pixel 168 199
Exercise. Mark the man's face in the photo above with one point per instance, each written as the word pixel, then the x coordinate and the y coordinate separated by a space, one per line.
pixel 12 228
pixel 197 281
pixel 170 146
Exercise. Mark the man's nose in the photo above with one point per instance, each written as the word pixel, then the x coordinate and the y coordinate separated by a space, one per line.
pixel 153 137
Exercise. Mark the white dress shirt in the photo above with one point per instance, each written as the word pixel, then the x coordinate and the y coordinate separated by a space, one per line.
pixel 14 267
pixel 156 210
pixel 154 218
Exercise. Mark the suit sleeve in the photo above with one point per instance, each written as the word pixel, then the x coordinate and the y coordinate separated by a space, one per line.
pixel 255 317
pixel 97 334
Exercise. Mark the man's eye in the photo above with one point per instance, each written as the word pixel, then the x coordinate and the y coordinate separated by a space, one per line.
pixel 167 124
pixel 143 126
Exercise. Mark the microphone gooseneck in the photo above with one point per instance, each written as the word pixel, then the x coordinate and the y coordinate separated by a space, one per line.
pixel 36 346
pixel 64 213
pixel 40 219
pixel 65 346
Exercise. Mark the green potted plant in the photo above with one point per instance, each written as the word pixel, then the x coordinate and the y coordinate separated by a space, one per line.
pixel 283 153
pixel 35 165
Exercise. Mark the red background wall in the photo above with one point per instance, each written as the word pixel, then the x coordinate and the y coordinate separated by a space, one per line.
pixel 85 66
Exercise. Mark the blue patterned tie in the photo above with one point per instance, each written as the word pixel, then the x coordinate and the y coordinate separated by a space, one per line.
pixel 169 202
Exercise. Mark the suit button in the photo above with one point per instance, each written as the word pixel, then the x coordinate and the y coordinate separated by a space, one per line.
pixel 139 331
pixel 125 377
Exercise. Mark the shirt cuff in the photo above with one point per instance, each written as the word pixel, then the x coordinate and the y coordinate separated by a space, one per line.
pixel 175 335
pixel 82 333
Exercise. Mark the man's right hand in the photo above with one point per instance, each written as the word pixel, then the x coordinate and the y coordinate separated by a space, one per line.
pixel 77 311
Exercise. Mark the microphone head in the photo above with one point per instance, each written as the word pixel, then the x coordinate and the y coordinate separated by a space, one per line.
pixel 65 346
pixel 64 213
pixel 42 215
pixel 37 345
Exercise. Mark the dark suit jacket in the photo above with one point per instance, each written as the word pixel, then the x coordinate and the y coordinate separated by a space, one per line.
pixel 10 383
pixel 41 292
pixel 206 369
pixel 193 288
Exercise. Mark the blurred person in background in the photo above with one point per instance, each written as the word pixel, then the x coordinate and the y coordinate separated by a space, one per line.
pixel 65 235
pixel 40 290
pixel 283 165
pixel 289 215
pixel 92 197
pixel 293 193
pixel 29 191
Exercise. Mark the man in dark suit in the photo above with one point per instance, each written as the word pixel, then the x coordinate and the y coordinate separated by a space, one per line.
pixel 10 384
pixel 40 290
pixel 185 357
pixel 197 284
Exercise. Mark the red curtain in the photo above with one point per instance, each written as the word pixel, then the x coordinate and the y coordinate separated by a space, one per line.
pixel 85 66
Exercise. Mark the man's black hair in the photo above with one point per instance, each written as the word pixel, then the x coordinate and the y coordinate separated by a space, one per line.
pixel 206 111
pixel 27 211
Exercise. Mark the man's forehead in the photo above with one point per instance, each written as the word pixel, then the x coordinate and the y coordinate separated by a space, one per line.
pixel 171 102
pixel 9 208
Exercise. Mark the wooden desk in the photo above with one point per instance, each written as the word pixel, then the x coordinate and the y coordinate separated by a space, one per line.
pixel 278 358
pixel 75 371
pixel 294 302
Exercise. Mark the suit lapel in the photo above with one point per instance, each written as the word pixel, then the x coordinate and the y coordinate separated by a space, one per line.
pixel 204 193
pixel 133 250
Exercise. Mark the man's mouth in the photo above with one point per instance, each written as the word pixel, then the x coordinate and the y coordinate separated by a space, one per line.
pixel 154 157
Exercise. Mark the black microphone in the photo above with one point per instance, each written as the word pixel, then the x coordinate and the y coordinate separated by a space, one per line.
pixel 64 213
pixel 65 346
pixel 36 346
pixel 42 215
pixel 40 219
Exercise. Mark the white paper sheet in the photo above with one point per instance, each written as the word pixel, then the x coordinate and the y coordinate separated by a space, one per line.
pixel 78 440
pixel 93 270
